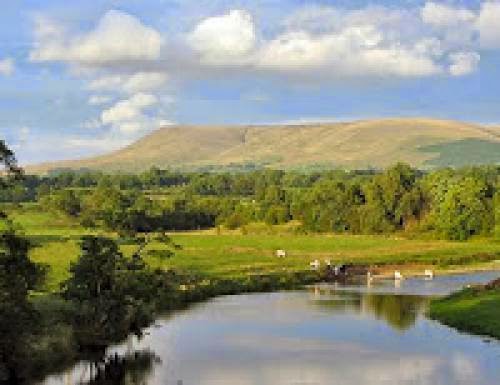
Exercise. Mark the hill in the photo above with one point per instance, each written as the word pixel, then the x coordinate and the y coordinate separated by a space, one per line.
pixel 424 143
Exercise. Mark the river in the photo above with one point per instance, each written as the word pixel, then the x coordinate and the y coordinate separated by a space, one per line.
pixel 374 334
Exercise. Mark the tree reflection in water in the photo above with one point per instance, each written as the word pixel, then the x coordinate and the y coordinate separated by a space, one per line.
pixel 128 369
pixel 399 311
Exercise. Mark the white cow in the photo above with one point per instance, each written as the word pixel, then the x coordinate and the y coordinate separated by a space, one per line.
pixel 281 253
pixel 429 274
pixel 315 264
pixel 398 275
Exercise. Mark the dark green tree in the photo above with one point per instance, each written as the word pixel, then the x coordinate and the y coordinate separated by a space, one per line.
pixel 113 295
pixel 18 275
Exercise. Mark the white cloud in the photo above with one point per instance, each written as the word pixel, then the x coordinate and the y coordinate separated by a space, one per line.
pixel 443 15
pixel 135 116
pixel 137 82
pixel 145 81
pixel 6 67
pixel 354 51
pixel 489 25
pixel 463 63
pixel 97 100
pixel 118 37
pixel 106 83
pixel 127 110
pixel 225 39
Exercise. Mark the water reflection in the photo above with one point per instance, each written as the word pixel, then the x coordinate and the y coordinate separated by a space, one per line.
pixel 324 336
pixel 130 369
pixel 133 368
pixel 399 311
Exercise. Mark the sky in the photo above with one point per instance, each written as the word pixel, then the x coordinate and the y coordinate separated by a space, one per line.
pixel 79 78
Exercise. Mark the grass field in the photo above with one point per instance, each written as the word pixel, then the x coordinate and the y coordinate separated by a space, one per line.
pixel 474 310
pixel 232 254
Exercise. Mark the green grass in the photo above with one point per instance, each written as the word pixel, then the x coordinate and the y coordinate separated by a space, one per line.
pixel 232 255
pixel 463 153
pixel 472 310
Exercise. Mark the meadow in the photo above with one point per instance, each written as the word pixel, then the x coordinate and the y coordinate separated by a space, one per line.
pixel 224 254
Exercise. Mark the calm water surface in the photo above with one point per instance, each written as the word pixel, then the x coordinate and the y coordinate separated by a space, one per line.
pixel 325 335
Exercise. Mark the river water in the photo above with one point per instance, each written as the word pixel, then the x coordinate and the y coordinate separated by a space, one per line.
pixel 363 334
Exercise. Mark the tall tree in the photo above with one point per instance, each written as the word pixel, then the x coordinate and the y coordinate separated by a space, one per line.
pixel 113 295
pixel 18 275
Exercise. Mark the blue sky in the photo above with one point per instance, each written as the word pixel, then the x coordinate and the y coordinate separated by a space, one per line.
pixel 81 77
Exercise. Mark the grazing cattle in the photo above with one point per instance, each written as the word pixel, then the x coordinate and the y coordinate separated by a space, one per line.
pixel 315 264
pixel 429 274
pixel 281 253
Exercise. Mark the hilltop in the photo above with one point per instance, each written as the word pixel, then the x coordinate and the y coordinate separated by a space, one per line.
pixel 424 143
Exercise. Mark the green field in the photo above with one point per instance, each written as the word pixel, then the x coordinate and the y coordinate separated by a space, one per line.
pixel 474 310
pixel 233 254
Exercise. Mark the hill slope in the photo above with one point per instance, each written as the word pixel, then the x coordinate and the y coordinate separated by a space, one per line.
pixel 360 144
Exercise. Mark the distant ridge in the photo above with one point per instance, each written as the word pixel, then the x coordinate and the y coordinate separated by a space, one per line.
pixel 422 142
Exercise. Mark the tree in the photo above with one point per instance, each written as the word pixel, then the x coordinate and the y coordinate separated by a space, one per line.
pixel 392 199
pixel 113 295
pixel 65 201
pixel 18 275
pixel 464 209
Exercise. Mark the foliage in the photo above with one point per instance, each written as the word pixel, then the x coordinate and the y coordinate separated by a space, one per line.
pixel 447 203
pixel 18 275
pixel 113 295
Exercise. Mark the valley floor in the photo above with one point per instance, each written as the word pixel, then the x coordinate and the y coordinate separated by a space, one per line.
pixel 223 254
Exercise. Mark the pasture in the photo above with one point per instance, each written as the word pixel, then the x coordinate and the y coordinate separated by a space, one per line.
pixel 233 254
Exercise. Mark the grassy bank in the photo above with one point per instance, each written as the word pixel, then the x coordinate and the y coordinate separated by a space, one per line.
pixel 474 310
pixel 54 347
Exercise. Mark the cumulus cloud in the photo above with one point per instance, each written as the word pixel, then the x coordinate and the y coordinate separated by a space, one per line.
pixel 354 51
pixel 132 83
pixel 225 39
pixel 117 37
pixel 443 15
pixel 329 42
pixel 128 109
pixel 463 63
pixel 134 116
pixel 489 25
pixel 6 67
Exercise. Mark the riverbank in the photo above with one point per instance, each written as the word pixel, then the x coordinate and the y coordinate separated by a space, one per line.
pixel 53 347
pixel 394 310
pixel 473 310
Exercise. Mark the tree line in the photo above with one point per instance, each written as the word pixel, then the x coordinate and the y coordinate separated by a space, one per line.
pixel 447 203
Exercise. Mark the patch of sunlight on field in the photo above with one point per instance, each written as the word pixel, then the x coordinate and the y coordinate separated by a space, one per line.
pixel 58 257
